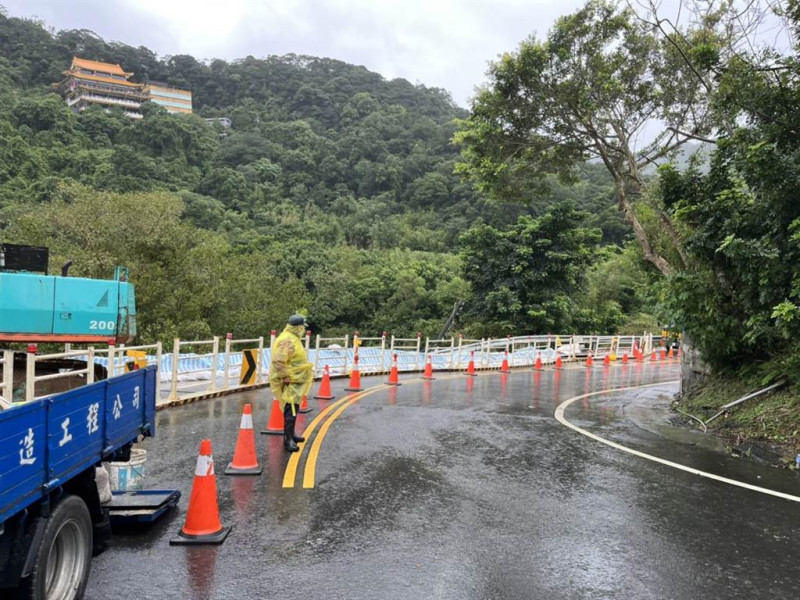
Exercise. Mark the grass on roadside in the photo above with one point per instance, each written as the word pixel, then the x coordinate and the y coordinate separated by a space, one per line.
pixel 773 418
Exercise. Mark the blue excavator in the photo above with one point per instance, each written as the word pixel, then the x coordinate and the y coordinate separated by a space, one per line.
pixel 38 307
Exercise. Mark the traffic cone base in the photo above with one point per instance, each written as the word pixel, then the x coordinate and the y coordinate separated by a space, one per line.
pixel 304 407
pixel 185 539
pixel 275 425
pixel 202 525
pixel 245 457
pixel 231 470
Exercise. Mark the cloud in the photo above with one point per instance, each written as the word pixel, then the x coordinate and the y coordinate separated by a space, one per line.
pixel 444 43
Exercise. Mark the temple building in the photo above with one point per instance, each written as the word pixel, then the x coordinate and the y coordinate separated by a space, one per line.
pixel 90 82
pixel 172 99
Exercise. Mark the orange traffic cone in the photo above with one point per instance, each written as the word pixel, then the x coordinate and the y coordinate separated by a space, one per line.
pixel 537 366
pixel 671 353
pixel 559 364
pixel 304 407
pixel 589 360
pixel 653 355
pixel 625 358
pixel 324 392
pixel 275 424
pixel 471 366
pixel 428 374
pixel 663 354
pixel 245 459
pixel 504 367
pixel 355 377
pixel 607 360
pixel 202 520
pixel 394 376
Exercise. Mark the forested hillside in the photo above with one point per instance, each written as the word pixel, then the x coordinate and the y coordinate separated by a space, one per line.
pixel 333 192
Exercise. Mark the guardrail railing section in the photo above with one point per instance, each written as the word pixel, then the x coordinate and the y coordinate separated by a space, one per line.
pixel 442 353
pixel 7 372
pixel 372 354
pixel 409 353
pixel 333 352
pixel 203 367
pixel 31 378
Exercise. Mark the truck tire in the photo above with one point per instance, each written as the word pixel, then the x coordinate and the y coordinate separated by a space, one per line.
pixel 61 568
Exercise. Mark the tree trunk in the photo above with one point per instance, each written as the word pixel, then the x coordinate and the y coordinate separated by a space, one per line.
pixel 650 255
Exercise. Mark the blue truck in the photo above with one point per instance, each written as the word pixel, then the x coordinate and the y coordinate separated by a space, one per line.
pixel 51 518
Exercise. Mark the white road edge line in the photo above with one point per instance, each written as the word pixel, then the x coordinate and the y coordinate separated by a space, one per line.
pixel 559 415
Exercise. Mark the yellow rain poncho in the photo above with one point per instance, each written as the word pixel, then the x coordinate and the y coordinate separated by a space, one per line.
pixel 289 361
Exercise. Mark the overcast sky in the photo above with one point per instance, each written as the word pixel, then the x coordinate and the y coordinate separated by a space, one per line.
pixel 439 43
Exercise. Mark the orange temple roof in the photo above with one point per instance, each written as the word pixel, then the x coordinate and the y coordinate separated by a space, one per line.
pixel 94 65
pixel 103 79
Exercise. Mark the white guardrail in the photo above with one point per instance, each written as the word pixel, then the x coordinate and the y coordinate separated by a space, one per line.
pixel 201 368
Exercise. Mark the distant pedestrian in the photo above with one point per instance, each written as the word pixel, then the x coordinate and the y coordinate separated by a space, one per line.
pixel 290 376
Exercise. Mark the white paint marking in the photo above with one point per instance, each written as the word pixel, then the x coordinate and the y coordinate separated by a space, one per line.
pixel 559 415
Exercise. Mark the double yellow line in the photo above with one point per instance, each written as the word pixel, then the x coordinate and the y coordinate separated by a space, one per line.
pixel 337 408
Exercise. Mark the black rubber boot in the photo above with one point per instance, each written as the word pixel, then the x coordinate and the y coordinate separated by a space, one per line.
pixel 296 438
pixel 288 442
pixel 289 417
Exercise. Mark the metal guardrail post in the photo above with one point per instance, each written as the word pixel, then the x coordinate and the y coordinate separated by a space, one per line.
pixel 176 354
pixel 452 349
pixel 30 373
pixel 460 343
pixel 272 336
pixel 346 346
pixel 383 352
pixel 419 343
pixel 225 377
pixel 260 358
pixel 159 352
pixel 316 355
pixel 8 375
pixel 308 341
pixel 214 363
pixel 90 365
pixel 111 369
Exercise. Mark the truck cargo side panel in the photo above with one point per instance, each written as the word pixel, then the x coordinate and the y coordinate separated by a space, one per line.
pixel 76 434
pixel 125 408
pixel 22 456
pixel 45 443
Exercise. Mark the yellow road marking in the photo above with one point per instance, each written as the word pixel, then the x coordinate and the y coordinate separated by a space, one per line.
pixel 309 475
pixel 311 461
pixel 559 415
pixel 291 468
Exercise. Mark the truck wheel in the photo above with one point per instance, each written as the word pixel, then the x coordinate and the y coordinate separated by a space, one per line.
pixel 61 568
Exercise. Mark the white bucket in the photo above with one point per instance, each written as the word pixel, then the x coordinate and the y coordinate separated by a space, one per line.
pixel 128 476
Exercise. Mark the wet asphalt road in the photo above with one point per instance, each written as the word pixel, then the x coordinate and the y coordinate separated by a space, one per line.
pixel 468 489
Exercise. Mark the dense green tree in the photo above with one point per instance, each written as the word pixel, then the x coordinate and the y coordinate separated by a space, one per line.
pixel 587 91
pixel 524 279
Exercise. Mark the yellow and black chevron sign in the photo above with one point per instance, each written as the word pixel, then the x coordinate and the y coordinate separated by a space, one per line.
pixel 248 374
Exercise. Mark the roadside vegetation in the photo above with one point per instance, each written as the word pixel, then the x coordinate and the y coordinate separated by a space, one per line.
pixel 620 173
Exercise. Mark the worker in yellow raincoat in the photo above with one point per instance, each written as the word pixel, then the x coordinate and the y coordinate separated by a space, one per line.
pixel 290 376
